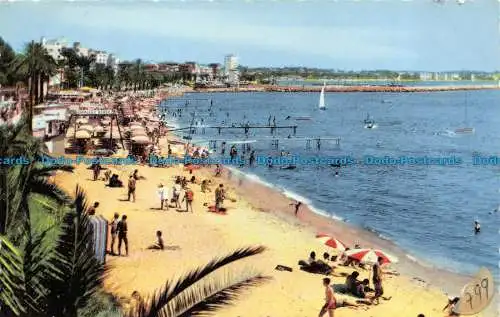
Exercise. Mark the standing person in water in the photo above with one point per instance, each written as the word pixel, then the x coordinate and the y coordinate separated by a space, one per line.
pixel 330 302
pixel 477 227
pixel 252 158
pixel 297 205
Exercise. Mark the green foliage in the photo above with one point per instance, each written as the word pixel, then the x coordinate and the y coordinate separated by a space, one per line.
pixel 185 297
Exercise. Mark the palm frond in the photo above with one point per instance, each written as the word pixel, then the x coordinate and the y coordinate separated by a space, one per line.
pixel 10 277
pixel 212 296
pixel 161 298
pixel 80 274
pixel 34 267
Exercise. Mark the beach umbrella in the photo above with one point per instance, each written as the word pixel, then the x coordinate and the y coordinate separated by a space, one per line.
pixel 82 134
pixel 140 139
pixel 98 129
pixel 116 135
pixel 139 132
pixel 331 242
pixel 370 256
pixel 87 127
pixel 136 127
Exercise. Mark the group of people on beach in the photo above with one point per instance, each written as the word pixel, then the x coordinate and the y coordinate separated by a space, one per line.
pixel 353 286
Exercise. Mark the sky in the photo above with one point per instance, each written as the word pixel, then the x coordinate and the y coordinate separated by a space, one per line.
pixel 335 34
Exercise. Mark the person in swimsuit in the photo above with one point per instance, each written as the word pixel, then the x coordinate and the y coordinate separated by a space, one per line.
pixel 330 303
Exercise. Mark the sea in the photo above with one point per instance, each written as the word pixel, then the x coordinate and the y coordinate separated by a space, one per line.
pixel 427 209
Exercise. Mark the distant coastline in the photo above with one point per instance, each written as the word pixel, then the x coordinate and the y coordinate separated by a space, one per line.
pixel 350 88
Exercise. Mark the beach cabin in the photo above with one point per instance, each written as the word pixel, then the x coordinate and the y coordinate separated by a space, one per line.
pixel 99 237
pixel 49 123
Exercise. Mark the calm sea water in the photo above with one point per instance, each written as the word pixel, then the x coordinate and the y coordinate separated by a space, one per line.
pixel 428 210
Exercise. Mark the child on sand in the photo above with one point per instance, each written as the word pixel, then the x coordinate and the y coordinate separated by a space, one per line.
pixel 159 243
pixel 330 303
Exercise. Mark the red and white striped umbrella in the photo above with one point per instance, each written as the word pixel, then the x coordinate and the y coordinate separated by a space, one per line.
pixel 331 242
pixel 370 256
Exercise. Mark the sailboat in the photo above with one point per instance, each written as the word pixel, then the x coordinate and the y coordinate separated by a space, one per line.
pixel 322 98
pixel 465 130
pixel 369 123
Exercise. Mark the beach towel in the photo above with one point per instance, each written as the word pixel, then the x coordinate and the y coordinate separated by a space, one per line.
pixel 221 211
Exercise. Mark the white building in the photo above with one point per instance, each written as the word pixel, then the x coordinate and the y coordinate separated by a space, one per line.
pixel 54 47
pixel 101 57
pixel 231 69
pixel 81 51
pixel 113 62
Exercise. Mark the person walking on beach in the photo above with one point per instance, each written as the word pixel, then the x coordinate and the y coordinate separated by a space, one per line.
pixel 297 205
pixel 163 196
pixel 330 302
pixel 219 197
pixel 377 280
pixel 114 231
pixel 131 187
pixel 189 195
pixel 97 170
pixel 177 192
pixel 122 229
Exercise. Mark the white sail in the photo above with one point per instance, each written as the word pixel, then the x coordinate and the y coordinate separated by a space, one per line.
pixel 322 98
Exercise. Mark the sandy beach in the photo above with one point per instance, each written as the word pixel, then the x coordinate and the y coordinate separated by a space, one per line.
pixel 259 216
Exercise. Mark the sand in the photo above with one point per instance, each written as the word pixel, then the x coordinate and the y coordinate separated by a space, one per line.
pixel 250 220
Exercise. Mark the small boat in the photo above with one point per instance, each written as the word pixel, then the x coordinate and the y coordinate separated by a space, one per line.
pixel 321 105
pixel 302 118
pixel 369 123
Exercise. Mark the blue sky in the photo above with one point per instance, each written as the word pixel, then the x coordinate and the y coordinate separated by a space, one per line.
pixel 342 34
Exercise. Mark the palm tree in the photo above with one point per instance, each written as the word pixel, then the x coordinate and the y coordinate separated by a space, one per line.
pixel 34 65
pixel 184 298
pixel 56 281
pixel 18 185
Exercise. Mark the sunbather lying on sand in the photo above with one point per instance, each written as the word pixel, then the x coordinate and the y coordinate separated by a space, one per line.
pixel 344 301
pixel 315 266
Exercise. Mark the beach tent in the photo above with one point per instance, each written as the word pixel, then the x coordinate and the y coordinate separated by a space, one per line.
pixel 99 237
pixel 140 139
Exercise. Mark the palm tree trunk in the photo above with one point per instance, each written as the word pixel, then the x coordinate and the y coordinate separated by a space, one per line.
pixel 29 105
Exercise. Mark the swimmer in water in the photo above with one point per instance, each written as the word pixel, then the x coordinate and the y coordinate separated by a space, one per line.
pixel 287 118
pixel 477 227
pixel 336 173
